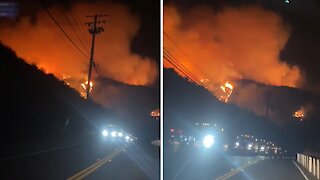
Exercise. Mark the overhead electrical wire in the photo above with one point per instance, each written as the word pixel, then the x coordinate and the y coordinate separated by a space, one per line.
pixel 77 35
pixel 64 32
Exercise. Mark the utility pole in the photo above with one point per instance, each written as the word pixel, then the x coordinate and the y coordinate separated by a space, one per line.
pixel 93 30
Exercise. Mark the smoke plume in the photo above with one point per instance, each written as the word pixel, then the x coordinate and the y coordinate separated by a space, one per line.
pixel 42 43
pixel 232 44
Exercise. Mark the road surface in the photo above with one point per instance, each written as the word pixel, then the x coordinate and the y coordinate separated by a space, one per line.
pixel 109 160
pixel 204 164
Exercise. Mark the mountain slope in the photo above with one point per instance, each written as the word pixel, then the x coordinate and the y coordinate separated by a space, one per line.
pixel 186 103
pixel 39 106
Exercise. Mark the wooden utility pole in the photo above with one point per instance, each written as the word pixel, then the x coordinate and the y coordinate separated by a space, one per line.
pixel 93 30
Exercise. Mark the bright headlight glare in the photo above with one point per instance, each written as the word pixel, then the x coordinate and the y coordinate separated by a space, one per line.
pixel 105 133
pixel 120 134
pixel 127 137
pixel 114 133
pixel 208 141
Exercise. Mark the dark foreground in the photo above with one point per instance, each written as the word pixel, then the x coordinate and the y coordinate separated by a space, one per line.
pixel 134 161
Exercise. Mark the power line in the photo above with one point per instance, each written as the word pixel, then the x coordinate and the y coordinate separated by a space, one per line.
pixel 184 71
pixel 174 43
pixel 66 17
pixel 172 62
pixel 60 27
pixel 97 68
pixel 95 64
pixel 78 26
pixel 168 59
pixel 181 65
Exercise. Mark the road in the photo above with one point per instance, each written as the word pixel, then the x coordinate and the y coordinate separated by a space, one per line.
pixel 203 164
pixel 110 160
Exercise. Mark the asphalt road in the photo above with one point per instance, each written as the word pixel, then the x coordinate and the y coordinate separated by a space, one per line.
pixel 190 163
pixel 137 161
pixel 271 169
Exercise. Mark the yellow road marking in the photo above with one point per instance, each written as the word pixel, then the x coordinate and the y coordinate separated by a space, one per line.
pixel 236 171
pixel 95 166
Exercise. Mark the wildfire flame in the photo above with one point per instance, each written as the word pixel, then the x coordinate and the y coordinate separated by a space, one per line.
pixel 215 51
pixel 65 79
pixel 227 89
pixel 35 38
pixel 155 113
pixel 299 114
pixel 84 87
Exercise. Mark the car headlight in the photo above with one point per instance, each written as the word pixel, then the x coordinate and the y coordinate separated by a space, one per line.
pixel 127 137
pixel 114 133
pixel 208 141
pixel 105 133
pixel 120 134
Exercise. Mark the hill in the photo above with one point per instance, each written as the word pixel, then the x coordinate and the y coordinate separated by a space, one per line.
pixel 186 103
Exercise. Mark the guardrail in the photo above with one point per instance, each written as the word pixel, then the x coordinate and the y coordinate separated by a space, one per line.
pixel 310 163
pixel 156 142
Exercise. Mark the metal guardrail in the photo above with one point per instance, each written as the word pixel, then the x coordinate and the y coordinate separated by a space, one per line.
pixel 156 142
pixel 310 163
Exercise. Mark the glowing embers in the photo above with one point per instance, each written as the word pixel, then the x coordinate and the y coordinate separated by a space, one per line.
pixel 65 79
pixel 225 92
pixel 84 87
pixel 221 91
pixel 155 113
pixel 300 114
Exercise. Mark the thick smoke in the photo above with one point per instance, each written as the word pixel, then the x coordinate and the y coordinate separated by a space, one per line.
pixel 43 44
pixel 233 44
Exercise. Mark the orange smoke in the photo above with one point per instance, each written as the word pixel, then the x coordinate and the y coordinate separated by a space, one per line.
pixel 237 43
pixel 44 45
pixel 233 44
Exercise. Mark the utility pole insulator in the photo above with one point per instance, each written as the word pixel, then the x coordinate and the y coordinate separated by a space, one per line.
pixel 93 30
